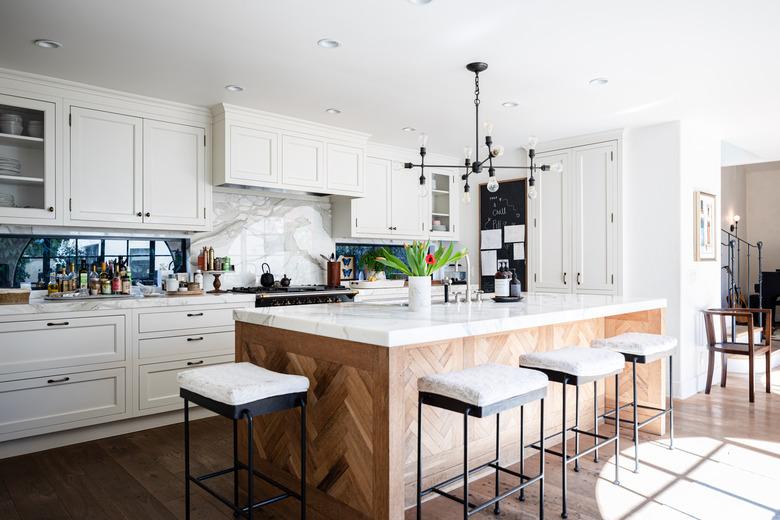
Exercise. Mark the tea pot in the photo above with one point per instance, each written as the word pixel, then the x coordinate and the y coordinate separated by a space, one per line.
pixel 266 279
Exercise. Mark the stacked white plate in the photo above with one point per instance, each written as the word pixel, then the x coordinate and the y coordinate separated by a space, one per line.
pixel 11 124
pixel 10 166
pixel 35 128
pixel 6 200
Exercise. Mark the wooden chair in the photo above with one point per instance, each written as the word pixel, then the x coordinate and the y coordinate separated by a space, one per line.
pixel 727 345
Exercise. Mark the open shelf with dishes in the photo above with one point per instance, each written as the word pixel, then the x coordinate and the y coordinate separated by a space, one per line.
pixel 441 203
pixel 26 158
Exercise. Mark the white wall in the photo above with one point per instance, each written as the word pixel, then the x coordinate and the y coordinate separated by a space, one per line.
pixel 733 187
pixel 763 210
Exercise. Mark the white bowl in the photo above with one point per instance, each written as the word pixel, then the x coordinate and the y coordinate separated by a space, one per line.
pixel 11 127
pixel 34 131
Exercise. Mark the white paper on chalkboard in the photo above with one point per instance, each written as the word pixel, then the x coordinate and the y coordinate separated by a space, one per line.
pixel 519 251
pixel 491 239
pixel 514 234
pixel 489 263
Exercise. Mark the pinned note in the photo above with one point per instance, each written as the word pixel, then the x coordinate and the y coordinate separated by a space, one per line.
pixel 518 251
pixel 490 239
pixel 489 262
pixel 514 234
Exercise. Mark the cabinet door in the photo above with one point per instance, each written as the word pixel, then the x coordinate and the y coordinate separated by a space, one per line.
pixel 105 166
pixel 27 168
pixel 345 169
pixel 174 174
pixel 371 214
pixel 443 205
pixel 552 225
pixel 406 206
pixel 253 156
pixel 593 222
pixel 303 162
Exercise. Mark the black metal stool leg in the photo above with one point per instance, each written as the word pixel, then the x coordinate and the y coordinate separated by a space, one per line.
pixel 251 467
pixel 522 451
pixel 636 421
pixel 577 426
pixel 419 458
pixel 303 460
pixel 541 458
pixel 187 459
pixel 497 507
pixel 617 428
pixel 235 468
pixel 565 452
pixel 671 406
pixel 466 464
pixel 596 417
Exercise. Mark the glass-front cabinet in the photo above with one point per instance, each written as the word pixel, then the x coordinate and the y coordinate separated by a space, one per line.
pixel 444 205
pixel 27 162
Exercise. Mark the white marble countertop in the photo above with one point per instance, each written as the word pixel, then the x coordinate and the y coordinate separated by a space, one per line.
pixel 393 325
pixel 39 305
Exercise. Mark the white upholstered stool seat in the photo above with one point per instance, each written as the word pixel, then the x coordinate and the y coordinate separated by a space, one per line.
pixel 576 361
pixel 240 383
pixel 485 385
pixel 638 344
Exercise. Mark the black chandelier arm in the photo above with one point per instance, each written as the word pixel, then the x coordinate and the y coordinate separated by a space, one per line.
pixel 535 167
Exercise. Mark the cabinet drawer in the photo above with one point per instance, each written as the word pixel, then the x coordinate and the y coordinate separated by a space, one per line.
pixel 60 399
pixel 185 319
pixel 62 342
pixel 191 345
pixel 157 385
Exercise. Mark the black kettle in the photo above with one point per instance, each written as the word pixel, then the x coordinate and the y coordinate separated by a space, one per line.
pixel 266 279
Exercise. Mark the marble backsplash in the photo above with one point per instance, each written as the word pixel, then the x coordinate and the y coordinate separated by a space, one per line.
pixel 289 234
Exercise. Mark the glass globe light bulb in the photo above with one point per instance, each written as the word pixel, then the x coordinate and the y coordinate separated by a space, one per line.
pixel 397 165
pixel 532 142
pixel 532 192
pixel 423 190
pixel 497 150
pixel 467 151
pixel 737 218
pixel 557 167
pixel 488 128
pixel 466 197
pixel 492 185
pixel 423 140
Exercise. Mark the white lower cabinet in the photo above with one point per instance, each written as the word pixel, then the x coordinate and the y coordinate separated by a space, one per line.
pixel 157 384
pixel 61 400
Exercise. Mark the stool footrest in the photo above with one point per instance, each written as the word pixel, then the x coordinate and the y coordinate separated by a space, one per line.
pixel 271 481
pixel 457 477
pixel 579 454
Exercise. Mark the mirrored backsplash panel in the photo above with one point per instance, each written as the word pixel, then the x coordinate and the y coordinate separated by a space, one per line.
pixel 30 258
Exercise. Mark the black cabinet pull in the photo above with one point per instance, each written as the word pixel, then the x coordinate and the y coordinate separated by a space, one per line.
pixel 578 279
pixel 51 209
pixel 139 214
pixel 195 339
pixel 194 314
pixel 564 278
pixel 60 380
pixel 57 324
pixel 147 214
pixel 190 363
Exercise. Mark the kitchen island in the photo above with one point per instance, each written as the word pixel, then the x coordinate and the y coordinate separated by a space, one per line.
pixel 363 361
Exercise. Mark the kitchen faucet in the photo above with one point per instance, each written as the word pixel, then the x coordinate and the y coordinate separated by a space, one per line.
pixel 468 278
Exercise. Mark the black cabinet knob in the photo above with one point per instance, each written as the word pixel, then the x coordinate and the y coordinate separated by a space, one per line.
pixel 51 209
pixel 147 214
pixel 139 214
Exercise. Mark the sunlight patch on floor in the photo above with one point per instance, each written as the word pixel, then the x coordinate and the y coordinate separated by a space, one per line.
pixel 702 478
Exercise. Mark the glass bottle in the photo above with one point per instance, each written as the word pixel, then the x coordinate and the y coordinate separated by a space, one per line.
pixel 83 275
pixel 53 286
pixel 105 281
pixel 73 277
pixel 116 282
pixel 94 282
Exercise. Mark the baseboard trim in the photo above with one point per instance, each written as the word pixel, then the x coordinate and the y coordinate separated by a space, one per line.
pixel 48 441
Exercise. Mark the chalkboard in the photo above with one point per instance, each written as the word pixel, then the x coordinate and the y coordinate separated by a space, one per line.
pixel 501 240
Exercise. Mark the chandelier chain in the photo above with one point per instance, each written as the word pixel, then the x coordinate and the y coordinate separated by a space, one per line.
pixel 476 89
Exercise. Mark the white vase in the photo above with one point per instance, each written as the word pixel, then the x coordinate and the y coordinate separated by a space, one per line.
pixel 419 293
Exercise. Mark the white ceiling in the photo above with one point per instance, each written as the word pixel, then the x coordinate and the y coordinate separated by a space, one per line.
pixel 402 65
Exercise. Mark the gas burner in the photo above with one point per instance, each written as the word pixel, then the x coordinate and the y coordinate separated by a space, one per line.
pixel 297 294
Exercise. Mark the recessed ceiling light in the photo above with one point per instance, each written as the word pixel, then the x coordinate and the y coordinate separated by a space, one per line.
pixel 598 81
pixel 327 43
pixel 509 104
pixel 419 2
pixel 332 110
pixel 233 88
pixel 409 129
pixel 47 44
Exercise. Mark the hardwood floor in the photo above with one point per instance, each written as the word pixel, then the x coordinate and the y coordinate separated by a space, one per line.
pixel 726 465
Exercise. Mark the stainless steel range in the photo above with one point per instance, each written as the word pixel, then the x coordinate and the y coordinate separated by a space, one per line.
pixel 297 294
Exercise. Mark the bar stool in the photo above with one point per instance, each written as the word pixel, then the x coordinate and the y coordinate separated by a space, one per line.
pixel 481 391
pixel 639 347
pixel 578 366
pixel 236 391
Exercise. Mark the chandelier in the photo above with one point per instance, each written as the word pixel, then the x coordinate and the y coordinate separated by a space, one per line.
pixel 491 150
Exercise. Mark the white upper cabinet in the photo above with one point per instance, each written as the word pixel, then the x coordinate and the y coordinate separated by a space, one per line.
pixel 174 174
pixel 253 158
pixel 28 166
pixel 552 227
pixel 406 205
pixel 105 167
pixel 372 212
pixel 443 205
pixel 575 221
pixel 303 162
pixel 254 148
pixel 595 190
pixel 345 169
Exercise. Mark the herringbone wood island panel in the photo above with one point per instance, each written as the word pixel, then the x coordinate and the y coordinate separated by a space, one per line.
pixel 362 411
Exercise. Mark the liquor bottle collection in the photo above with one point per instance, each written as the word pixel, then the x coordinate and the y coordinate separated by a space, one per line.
pixel 114 278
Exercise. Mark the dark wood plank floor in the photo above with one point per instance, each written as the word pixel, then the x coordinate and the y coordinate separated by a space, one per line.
pixel 727 464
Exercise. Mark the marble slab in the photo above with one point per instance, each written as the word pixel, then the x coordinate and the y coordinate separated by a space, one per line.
pixel 40 306
pixel 392 325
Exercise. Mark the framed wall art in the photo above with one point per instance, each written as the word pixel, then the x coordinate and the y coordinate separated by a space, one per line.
pixel 705 227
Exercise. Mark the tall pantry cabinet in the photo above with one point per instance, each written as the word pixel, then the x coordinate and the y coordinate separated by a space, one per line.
pixel 575 221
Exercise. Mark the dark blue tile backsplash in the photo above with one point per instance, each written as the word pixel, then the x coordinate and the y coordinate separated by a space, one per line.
pixel 358 250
